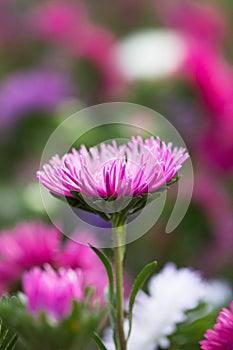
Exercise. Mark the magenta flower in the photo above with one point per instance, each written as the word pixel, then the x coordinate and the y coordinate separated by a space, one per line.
pixel 136 168
pixel 52 292
pixel 221 338
pixel 34 244
pixel 25 246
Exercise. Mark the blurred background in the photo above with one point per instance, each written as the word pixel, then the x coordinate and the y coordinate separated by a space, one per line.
pixel 174 56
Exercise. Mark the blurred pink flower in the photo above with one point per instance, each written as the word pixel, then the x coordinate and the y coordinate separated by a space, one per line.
pixel 67 24
pixel 221 338
pixel 217 145
pixel 10 23
pixel 52 292
pixel 25 246
pixel 213 77
pixel 80 256
pixel 35 244
pixel 106 173
pixel 204 27
pixel 212 196
pixel 205 22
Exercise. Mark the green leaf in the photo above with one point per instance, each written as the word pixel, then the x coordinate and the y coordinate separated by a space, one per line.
pixel 139 281
pixel 8 338
pixel 99 342
pixel 108 267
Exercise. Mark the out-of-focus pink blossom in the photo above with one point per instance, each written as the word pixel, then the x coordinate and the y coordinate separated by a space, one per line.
pixel 66 23
pixel 204 28
pixel 217 146
pixel 80 256
pixel 133 169
pixel 213 77
pixel 221 338
pixel 205 22
pixel 52 292
pixel 211 195
pixel 10 23
pixel 25 246
pixel 35 244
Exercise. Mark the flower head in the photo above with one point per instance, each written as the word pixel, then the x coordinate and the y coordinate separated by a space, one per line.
pixel 156 315
pixel 113 172
pixel 221 338
pixel 25 246
pixel 52 292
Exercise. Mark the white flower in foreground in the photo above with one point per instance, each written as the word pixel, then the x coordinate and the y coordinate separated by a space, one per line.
pixel 151 54
pixel 171 293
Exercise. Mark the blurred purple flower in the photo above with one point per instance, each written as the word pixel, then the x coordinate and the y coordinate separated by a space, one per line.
pixel 106 173
pixel 52 292
pixel 31 90
pixel 221 338
pixel 25 246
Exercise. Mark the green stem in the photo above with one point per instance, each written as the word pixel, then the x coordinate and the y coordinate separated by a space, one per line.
pixel 119 238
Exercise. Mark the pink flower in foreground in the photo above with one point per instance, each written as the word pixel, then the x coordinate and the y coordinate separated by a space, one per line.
pixel 34 244
pixel 52 292
pixel 221 338
pixel 112 171
pixel 79 256
pixel 25 246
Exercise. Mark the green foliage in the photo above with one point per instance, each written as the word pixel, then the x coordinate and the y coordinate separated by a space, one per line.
pixel 8 338
pixel 138 283
pixel 99 342
pixel 71 333
pixel 110 293
pixel 108 267
pixel 190 332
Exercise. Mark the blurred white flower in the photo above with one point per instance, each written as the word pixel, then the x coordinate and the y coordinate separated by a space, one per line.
pixel 151 54
pixel 171 293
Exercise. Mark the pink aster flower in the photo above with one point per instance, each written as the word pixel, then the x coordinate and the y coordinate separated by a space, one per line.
pixel 133 169
pixel 25 246
pixel 52 292
pixel 221 338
